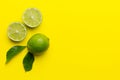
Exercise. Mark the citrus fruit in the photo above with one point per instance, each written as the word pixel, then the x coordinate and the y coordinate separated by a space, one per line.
pixel 32 17
pixel 17 31
pixel 38 43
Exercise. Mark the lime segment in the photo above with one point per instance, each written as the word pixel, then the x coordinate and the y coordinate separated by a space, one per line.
pixel 17 31
pixel 32 17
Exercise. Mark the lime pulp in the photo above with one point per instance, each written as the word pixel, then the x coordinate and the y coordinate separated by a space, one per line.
pixel 32 17
pixel 17 31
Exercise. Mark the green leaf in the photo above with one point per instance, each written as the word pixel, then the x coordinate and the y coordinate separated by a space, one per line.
pixel 28 61
pixel 13 51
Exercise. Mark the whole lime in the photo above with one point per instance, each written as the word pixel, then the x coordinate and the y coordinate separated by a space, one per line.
pixel 38 43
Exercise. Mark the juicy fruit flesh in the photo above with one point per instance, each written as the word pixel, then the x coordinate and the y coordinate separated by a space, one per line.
pixel 16 31
pixel 32 17
pixel 38 43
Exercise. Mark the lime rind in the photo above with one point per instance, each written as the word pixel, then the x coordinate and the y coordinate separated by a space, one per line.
pixel 32 17
pixel 17 31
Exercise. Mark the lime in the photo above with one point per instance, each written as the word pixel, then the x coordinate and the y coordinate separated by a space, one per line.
pixel 38 43
pixel 32 17
pixel 17 31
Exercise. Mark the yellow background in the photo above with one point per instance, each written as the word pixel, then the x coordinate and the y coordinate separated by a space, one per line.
pixel 84 40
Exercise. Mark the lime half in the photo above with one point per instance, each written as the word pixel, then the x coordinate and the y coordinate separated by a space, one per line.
pixel 32 17
pixel 17 31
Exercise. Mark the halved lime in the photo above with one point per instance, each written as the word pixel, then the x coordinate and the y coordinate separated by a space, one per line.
pixel 32 17
pixel 17 31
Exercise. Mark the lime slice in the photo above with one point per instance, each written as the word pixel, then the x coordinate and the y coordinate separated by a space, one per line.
pixel 32 17
pixel 17 31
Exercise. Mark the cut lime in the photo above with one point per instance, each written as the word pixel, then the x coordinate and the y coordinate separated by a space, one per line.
pixel 17 31
pixel 32 17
